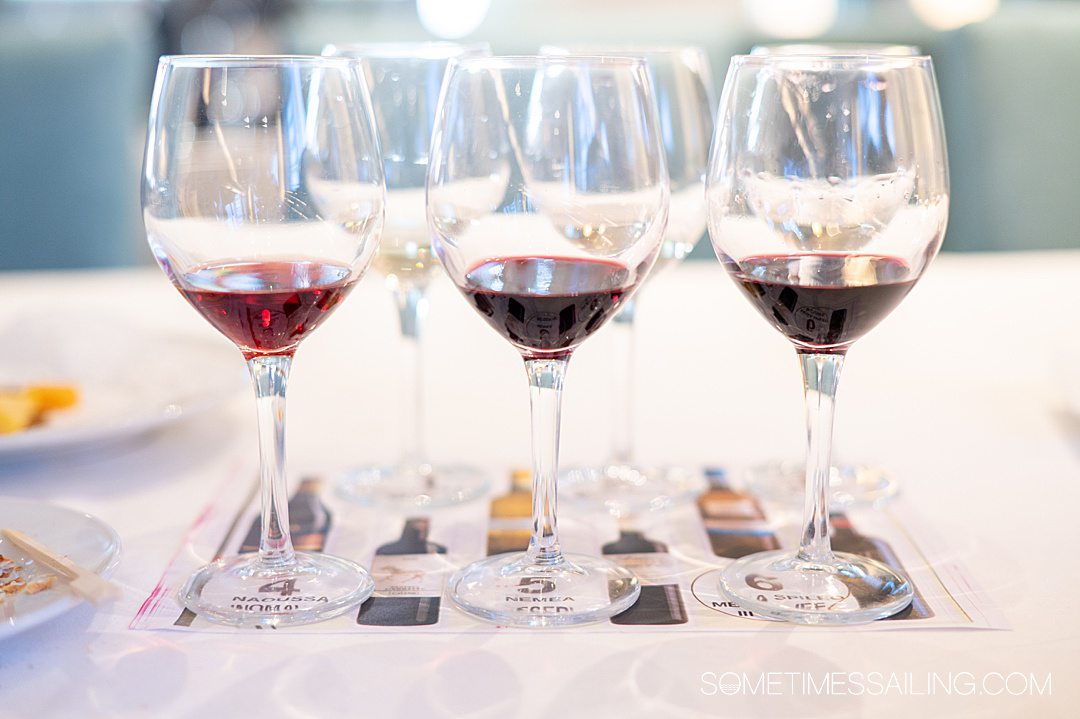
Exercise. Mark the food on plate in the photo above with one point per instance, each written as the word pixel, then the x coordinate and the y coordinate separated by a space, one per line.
pixel 38 585
pixel 22 407
pixel 16 412
pixel 13 580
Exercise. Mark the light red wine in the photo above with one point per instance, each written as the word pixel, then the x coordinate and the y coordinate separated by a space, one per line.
pixel 547 305
pixel 823 301
pixel 266 307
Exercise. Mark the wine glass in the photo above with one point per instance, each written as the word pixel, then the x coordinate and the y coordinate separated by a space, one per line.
pixel 850 483
pixel 827 198
pixel 683 85
pixel 547 198
pixel 263 201
pixel 404 80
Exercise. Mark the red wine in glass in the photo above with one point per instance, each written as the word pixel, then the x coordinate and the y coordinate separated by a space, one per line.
pixel 266 307
pixel 547 305
pixel 823 301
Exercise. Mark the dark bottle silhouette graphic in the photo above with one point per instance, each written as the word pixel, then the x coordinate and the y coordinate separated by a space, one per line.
pixel 845 538
pixel 408 576
pixel 661 599
pixel 309 521
pixel 309 525
pixel 734 520
pixel 510 526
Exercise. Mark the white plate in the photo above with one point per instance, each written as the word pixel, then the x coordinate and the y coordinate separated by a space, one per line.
pixel 85 540
pixel 130 381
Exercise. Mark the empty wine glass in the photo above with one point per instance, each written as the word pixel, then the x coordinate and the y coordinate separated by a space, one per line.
pixel 850 483
pixel 263 201
pixel 683 84
pixel 404 80
pixel 547 196
pixel 827 198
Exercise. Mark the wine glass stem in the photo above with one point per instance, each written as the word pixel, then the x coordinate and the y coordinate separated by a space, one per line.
pixel 269 375
pixel 412 310
pixel 545 400
pixel 623 395
pixel 821 376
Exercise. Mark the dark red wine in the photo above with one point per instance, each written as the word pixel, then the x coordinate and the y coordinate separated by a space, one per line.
pixel 266 307
pixel 823 301
pixel 547 305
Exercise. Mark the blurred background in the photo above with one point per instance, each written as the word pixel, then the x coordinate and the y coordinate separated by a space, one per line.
pixel 76 76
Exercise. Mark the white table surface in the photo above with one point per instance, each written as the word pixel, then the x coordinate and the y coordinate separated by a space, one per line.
pixel 961 393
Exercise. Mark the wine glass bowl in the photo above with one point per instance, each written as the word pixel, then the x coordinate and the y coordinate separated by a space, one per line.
pixel 404 81
pixel 827 199
pixel 224 183
pixel 576 195
pixel 263 203
pixel 836 48
pixel 547 197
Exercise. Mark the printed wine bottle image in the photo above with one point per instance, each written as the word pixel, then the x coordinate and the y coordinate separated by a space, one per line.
pixel 661 599
pixel 510 527
pixel 845 538
pixel 309 524
pixel 734 520
pixel 408 576
pixel 309 520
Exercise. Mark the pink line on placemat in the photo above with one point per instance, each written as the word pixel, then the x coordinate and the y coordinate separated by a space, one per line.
pixel 145 604
pixel 159 593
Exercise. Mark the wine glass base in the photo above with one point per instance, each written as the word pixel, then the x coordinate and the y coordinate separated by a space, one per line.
pixel 511 590
pixel 846 590
pixel 405 488
pixel 242 591
pixel 849 484
pixel 625 489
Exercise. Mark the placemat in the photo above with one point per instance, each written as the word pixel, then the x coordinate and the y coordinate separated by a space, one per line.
pixel 677 552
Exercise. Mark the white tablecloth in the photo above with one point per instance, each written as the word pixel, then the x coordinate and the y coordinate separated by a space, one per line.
pixel 964 393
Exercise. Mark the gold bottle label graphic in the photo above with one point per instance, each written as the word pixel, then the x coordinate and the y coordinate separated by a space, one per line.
pixel 510 526
pixel 408 575
pixel 660 601
pixel 734 520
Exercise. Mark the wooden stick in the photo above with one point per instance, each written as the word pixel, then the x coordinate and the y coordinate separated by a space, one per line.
pixel 84 583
